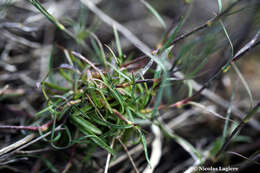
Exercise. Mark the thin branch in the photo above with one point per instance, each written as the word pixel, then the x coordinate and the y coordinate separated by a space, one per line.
pixel 220 101
pixel 206 24
pixel 17 144
pixel 136 60
pixel 14 160
pixel 204 108
pixel 120 116
pixel 134 150
pixel 34 151
pixel 201 27
pixel 237 129
pixel 240 155
pixel 253 43
pixel 184 101
pixel 69 164
pixel 23 143
pixel 87 61
pixel 129 156
pixel 43 127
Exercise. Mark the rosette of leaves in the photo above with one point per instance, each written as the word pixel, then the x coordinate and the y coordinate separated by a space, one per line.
pixel 94 104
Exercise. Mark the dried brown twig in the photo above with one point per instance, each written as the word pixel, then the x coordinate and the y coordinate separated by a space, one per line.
pixel 251 44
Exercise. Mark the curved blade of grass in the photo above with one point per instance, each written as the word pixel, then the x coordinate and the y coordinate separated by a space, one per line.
pixel 251 113
pixel 227 35
pixel 137 113
pixel 143 140
pixel 172 37
pixel 66 75
pixel 93 98
pixel 130 115
pixel 108 124
pixel 100 142
pixel 56 87
pixel 46 109
pixel 85 125
pixel 201 106
pixel 38 5
pixel 184 50
pixel 237 129
pixel 113 54
pixel 98 49
pixel 77 61
pixel 235 67
pixel 118 45
pixel 70 142
pixel 247 159
pixel 115 93
pixel 224 135
pixel 104 99
pixel 240 75
pixel 154 12
pixel 159 95
pixel 119 72
pixel 80 140
pixel 185 144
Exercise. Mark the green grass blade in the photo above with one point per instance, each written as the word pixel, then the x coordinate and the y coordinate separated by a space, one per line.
pixel 100 142
pixel 38 5
pixel 227 35
pixel 172 37
pixel 118 45
pixel 154 12
pixel 243 80
pixel 235 67
pixel 185 144
pixel 56 87
pixel 85 125
pixel 143 140
pixel 224 135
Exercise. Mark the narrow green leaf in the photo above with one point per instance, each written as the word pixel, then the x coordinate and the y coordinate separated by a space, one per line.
pixel 182 142
pixel 172 37
pixel 154 12
pixel 143 140
pixel 38 5
pixel 56 87
pixel 85 125
pixel 228 116
pixel 251 113
pixel 243 80
pixel 119 72
pixel 227 35
pixel 118 45
pixel 101 143
pixel 111 125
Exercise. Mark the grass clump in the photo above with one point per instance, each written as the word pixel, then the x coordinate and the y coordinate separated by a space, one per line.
pixel 100 103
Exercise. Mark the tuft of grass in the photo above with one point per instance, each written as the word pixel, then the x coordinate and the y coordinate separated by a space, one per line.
pixel 102 105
